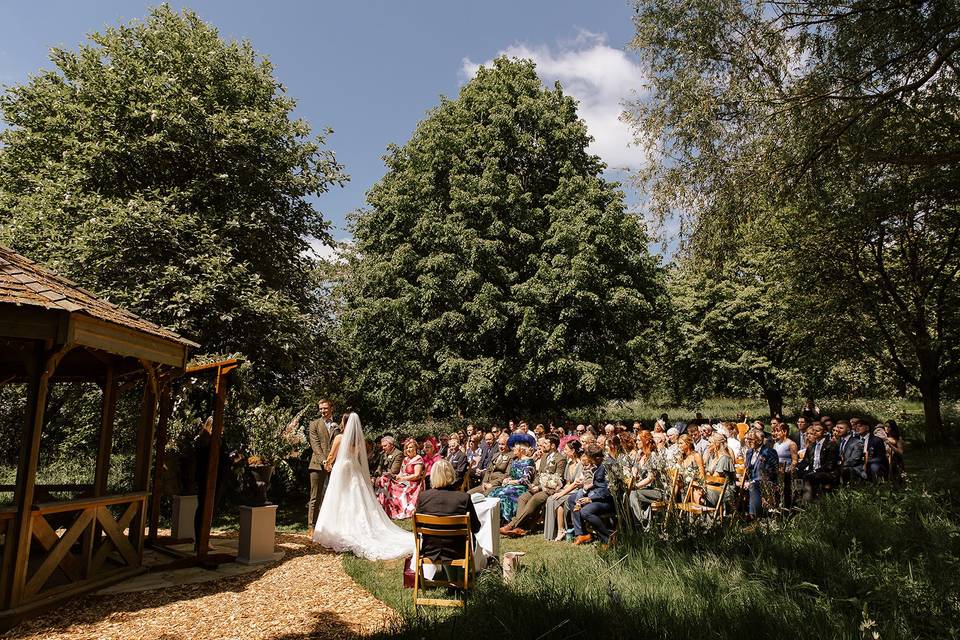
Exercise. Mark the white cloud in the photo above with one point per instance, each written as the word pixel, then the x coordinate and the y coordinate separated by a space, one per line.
pixel 328 252
pixel 600 77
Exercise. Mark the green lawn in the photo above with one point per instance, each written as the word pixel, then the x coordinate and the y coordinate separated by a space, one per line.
pixel 861 557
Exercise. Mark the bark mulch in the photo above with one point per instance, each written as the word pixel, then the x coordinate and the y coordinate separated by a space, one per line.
pixel 305 595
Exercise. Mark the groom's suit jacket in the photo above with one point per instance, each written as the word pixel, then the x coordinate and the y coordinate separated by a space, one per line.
pixel 318 435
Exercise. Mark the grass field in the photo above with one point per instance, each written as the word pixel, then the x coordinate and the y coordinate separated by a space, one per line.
pixel 858 562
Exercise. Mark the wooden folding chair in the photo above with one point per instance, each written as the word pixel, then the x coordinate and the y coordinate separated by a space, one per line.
pixel 425 526
pixel 666 505
pixel 714 482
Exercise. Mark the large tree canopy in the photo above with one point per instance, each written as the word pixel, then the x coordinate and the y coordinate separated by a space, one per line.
pixel 837 125
pixel 496 269
pixel 160 166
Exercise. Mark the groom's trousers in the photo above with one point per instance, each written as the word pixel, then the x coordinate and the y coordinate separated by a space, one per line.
pixel 318 487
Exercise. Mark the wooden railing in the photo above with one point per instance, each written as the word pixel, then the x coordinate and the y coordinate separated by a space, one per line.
pixel 82 538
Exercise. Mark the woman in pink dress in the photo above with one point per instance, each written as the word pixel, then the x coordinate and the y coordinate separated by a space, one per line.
pixel 430 455
pixel 400 500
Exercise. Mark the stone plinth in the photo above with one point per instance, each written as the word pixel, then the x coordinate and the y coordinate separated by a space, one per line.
pixel 184 508
pixel 257 529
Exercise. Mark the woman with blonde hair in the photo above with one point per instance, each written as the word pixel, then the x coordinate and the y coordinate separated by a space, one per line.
pixel 445 499
pixel 719 462
pixel 517 483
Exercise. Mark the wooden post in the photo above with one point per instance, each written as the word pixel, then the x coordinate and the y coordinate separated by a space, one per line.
pixel 209 492
pixel 166 407
pixel 108 407
pixel 17 546
pixel 141 477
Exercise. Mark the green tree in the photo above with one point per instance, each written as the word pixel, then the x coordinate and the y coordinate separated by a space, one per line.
pixel 160 165
pixel 496 269
pixel 736 328
pixel 836 125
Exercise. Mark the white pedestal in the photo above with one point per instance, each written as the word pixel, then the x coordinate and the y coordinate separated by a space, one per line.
pixel 257 529
pixel 184 508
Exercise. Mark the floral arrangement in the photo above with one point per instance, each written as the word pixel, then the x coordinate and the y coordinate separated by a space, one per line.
pixel 272 433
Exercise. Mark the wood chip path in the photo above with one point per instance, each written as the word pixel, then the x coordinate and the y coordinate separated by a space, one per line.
pixel 306 595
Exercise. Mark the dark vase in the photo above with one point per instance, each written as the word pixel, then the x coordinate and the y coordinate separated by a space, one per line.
pixel 258 483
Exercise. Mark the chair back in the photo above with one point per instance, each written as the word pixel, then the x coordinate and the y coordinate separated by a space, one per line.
pixel 425 526
pixel 445 526
pixel 742 428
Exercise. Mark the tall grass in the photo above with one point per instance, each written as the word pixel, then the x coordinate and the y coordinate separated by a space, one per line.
pixel 869 557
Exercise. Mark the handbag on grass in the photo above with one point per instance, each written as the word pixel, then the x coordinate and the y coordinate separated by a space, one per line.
pixel 408 573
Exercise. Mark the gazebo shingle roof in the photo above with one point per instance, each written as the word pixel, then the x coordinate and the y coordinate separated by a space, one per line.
pixel 24 282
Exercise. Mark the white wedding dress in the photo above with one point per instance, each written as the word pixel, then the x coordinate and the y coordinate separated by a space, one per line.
pixel 350 517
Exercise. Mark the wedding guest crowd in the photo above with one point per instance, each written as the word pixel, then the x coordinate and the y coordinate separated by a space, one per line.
pixel 569 479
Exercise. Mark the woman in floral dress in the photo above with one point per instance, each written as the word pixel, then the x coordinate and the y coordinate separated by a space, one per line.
pixel 522 471
pixel 400 500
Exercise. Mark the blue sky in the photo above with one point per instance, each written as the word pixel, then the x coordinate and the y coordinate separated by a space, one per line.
pixel 370 69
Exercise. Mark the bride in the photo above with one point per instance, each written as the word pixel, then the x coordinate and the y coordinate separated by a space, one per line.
pixel 350 517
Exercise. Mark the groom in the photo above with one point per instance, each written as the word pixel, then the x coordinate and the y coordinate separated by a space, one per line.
pixel 319 435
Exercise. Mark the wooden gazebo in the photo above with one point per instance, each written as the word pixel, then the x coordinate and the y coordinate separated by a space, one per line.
pixel 52 331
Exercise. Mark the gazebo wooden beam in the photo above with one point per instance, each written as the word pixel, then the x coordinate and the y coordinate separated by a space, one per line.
pixel 145 433
pixel 166 408
pixel 16 555
pixel 108 407
pixel 206 516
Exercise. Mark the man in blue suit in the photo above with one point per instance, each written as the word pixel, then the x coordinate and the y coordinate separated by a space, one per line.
pixel 592 501
pixel 850 451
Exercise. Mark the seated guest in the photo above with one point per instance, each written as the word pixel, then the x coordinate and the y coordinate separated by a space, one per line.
pixel 828 424
pixel 733 443
pixel 473 448
pixel 701 443
pixel 850 452
pixel 762 469
pixel 498 468
pixel 554 518
pixel 549 480
pixel 671 451
pixel 443 499
pixel 690 466
pixel 400 499
pixel 875 463
pixel 798 436
pixel 660 434
pixel 484 456
pixel 389 466
pixel 718 462
pixel 456 457
pixel 430 456
pixel 788 456
pixel 592 501
pixel 818 469
pixel 520 477
pixel 651 482
pixel 894 444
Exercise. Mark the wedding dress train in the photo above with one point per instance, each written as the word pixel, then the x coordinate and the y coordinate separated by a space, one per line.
pixel 350 517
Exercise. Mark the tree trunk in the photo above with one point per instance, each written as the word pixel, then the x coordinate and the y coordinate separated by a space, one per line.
pixel 930 396
pixel 774 401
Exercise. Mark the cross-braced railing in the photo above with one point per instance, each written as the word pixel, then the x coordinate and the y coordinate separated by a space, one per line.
pixel 80 542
